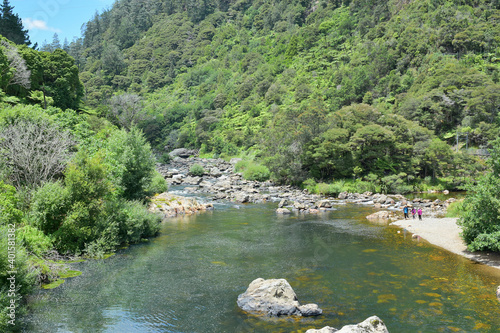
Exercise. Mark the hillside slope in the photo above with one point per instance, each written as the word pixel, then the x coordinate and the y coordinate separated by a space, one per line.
pixel 322 89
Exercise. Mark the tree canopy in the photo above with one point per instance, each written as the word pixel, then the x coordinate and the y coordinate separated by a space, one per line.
pixel 11 25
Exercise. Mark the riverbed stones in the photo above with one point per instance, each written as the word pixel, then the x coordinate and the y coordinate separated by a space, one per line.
pixel 283 211
pixel 182 152
pixel 382 215
pixel 170 205
pixel 372 324
pixel 227 185
pixel 274 297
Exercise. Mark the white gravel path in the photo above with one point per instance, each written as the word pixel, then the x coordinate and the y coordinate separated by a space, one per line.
pixel 445 233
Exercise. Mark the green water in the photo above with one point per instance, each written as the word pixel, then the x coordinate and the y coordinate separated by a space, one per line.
pixel 188 279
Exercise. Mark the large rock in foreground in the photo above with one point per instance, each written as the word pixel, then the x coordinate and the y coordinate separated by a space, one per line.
pixel 274 297
pixel 371 325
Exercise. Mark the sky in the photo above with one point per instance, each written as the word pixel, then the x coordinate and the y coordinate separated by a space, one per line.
pixel 43 18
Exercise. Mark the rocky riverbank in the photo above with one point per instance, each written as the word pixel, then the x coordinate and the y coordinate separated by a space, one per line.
pixel 172 205
pixel 221 182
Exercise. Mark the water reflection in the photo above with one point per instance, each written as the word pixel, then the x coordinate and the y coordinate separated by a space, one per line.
pixel 188 279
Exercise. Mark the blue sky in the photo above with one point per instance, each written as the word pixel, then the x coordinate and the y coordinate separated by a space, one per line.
pixel 43 18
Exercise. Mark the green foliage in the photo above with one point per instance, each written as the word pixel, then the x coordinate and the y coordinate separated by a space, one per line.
pixel 24 276
pixel 157 185
pixel 196 170
pixel 252 170
pixel 9 212
pixel 35 241
pixel 480 219
pixel 11 25
pixel 49 205
pixel 130 163
pixel 454 209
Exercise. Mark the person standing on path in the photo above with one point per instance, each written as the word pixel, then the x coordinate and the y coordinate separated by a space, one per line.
pixel 420 214
pixel 413 212
pixel 405 211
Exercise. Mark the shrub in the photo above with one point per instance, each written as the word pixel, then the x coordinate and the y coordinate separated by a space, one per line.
pixel 310 185
pixel 34 240
pixel 8 205
pixel 241 165
pixel 158 184
pixel 164 158
pixel 196 170
pixel 131 163
pixel 331 189
pixel 256 172
pixel 49 206
pixel 480 218
pixel 25 277
pixel 454 209
pixel 253 171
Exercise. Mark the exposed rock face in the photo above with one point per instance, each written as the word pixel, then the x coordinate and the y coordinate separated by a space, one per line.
pixel 274 297
pixel 371 325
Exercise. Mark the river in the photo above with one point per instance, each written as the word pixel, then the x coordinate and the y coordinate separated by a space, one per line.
pixel 188 278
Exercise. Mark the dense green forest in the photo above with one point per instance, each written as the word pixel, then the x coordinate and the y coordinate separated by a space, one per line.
pixel 314 89
pixel 393 96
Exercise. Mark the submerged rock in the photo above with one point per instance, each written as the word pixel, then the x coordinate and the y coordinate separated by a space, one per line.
pixel 382 215
pixel 274 297
pixel 371 325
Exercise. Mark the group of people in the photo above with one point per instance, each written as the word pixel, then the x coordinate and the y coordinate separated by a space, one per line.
pixel 406 211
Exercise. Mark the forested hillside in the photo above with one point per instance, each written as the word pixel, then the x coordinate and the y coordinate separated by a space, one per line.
pixel 322 89
pixel 398 95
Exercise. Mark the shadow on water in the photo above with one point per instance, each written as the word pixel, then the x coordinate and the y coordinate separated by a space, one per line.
pixel 188 279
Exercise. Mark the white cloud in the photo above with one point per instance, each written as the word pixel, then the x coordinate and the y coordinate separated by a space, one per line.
pixel 31 24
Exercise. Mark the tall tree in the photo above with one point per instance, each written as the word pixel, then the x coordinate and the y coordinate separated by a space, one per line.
pixel 11 26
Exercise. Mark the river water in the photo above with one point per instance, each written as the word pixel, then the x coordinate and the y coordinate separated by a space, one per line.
pixel 188 279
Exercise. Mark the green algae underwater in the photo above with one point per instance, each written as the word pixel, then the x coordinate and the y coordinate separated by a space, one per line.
pixel 188 278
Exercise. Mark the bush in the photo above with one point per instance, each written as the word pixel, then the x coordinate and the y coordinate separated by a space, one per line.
pixel 253 171
pixel 34 240
pixel 130 162
pixel 480 218
pixel 241 165
pixel 164 158
pixel 454 209
pixel 25 277
pixel 158 184
pixel 122 222
pixel 49 206
pixel 331 189
pixel 256 172
pixel 196 170
pixel 8 205
pixel 310 185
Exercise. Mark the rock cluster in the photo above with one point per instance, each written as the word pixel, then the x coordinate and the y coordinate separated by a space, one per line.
pixel 371 325
pixel 172 205
pixel 274 297
pixel 221 181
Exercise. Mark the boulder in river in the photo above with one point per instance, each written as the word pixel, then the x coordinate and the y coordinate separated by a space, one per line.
pixel 382 215
pixel 371 325
pixel 274 297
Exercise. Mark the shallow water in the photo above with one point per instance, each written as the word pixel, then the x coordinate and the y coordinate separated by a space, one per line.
pixel 188 279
